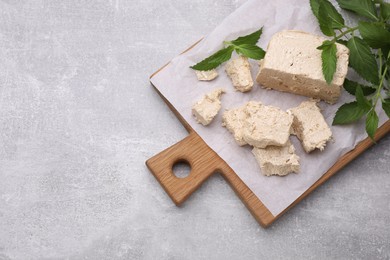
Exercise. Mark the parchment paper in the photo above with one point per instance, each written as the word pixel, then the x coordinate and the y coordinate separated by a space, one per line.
pixel 178 83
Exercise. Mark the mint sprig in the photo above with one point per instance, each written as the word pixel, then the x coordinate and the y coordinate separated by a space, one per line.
pixel 251 39
pixel 369 56
pixel 244 45
pixel 349 113
pixel 364 8
pixel 362 60
pixel 372 122
pixel 386 106
pixel 329 61
pixel 250 51
pixel 375 34
pixel 385 11
pixel 351 86
pixel 329 18
pixel 215 60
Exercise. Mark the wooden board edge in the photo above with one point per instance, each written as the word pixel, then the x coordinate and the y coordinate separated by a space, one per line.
pixel 260 212
pixel 173 109
pixel 341 163
pixel 189 48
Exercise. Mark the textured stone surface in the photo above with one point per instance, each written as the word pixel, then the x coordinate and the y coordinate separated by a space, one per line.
pixel 78 119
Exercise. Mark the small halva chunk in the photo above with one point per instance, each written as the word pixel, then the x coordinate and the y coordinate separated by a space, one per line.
pixel 310 127
pixel 266 125
pixel 234 120
pixel 293 64
pixel 206 75
pixel 208 107
pixel 277 160
pixel 239 71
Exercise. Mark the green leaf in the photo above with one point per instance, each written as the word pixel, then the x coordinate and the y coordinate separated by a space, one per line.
pixel 362 60
pixel 343 42
pixel 329 62
pixel 315 6
pixel 385 52
pixel 350 87
pixel 365 8
pixel 372 122
pixel 348 113
pixel 325 44
pixel 385 11
pixel 374 34
pixel 325 27
pixel 329 18
pixel 251 51
pixel 386 106
pixel 361 99
pixel 251 39
pixel 215 60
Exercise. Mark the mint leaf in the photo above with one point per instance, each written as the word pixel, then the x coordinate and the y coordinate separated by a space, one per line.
pixel 365 8
pixel 245 45
pixel 348 113
pixel 361 99
pixel 374 34
pixel 329 62
pixel 386 106
pixel 251 51
pixel 385 52
pixel 372 122
pixel 315 6
pixel 343 42
pixel 385 11
pixel 325 44
pixel 329 18
pixel 251 39
pixel 215 60
pixel 362 60
pixel 325 26
pixel 350 87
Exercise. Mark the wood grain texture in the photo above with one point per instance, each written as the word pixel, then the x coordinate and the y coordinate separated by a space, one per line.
pixel 204 162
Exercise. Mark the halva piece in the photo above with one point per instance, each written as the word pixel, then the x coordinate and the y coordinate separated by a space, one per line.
pixel 239 71
pixel 234 120
pixel 310 126
pixel 266 125
pixel 277 160
pixel 206 75
pixel 207 108
pixel 293 64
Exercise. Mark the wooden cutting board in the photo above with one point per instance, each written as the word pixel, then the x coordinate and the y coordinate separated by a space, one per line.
pixel 204 162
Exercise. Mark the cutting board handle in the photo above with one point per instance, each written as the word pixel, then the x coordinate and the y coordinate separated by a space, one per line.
pixel 191 150
pixel 204 162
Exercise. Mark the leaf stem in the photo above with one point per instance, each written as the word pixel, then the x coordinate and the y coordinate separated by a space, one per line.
pixel 378 93
pixel 380 60
pixel 350 30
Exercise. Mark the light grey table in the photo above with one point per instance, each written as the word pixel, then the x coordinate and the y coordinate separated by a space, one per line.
pixel 78 119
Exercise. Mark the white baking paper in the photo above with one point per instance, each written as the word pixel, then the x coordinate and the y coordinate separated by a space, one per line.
pixel 178 83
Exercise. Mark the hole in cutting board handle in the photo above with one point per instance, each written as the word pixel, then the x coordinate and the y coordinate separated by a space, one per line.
pixel 181 169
